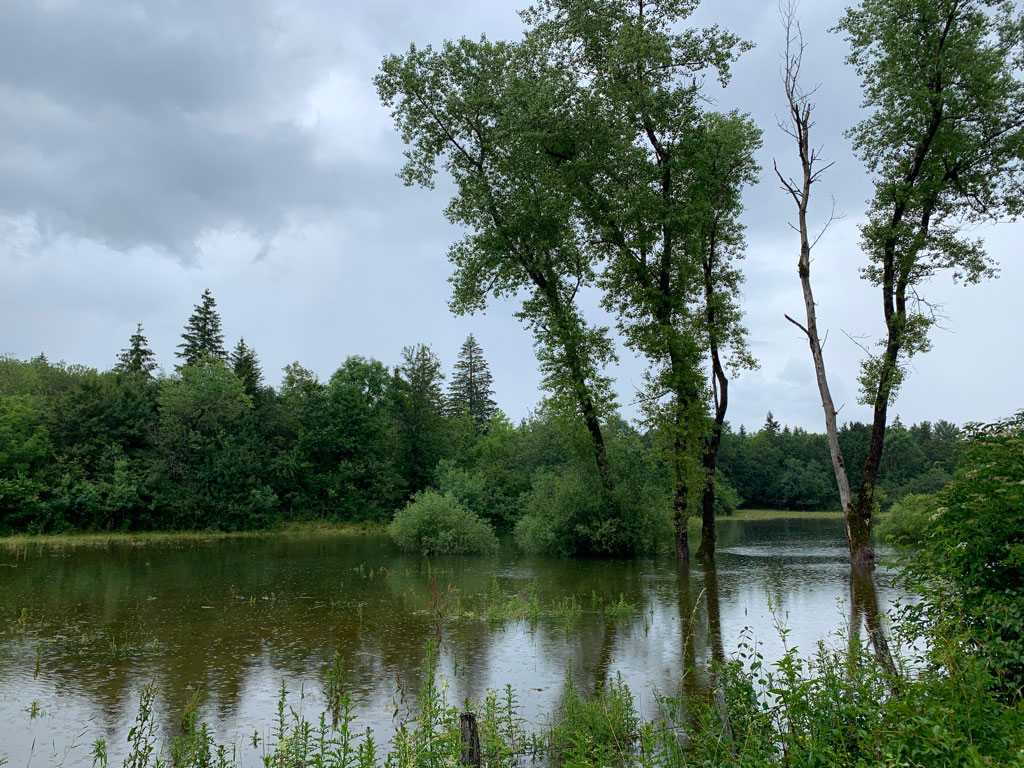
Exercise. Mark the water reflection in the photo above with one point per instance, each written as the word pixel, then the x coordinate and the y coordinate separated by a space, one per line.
pixel 84 629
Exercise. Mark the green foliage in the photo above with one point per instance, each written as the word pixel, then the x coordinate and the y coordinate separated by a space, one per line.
pixel 727 498
pixel 211 476
pixel 202 335
pixel 246 367
pixel 486 112
pixel 138 359
pixel 601 730
pixel 418 406
pixel 971 562
pixel 436 524
pixel 908 521
pixel 783 468
pixel 837 708
pixel 944 138
pixel 470 390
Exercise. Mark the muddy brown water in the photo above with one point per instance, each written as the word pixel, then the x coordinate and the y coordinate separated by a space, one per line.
pixel 82 629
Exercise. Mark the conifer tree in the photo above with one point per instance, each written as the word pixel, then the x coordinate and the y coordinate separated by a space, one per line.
pixel 470 389
pixel 138 359
pixel 202 334
pixel 246 366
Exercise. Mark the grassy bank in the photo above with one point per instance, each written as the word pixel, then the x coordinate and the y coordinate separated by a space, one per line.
pixel 310 528
pixel 144 538
pixel 784 514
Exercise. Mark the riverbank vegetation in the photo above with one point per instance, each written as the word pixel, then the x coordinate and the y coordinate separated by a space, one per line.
pixel 949 694
pixel 209 447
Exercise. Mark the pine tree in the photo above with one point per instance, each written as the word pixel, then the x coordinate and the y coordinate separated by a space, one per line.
pixel 138 359
pixel 246 366
pixel 470 389
pixel 771 426
pixel 202 334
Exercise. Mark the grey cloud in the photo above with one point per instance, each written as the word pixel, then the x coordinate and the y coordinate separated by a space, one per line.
pixel 244 139
pixel 148 125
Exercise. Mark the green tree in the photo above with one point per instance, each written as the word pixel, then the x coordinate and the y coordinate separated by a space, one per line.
pixel 25 454
pixel 202 334
pixel 493 114
pixel 211 472
pixel 246 366
pixel 944 140
pixel 419 404
pixel 470 388
pixel 658 186
pixel 138 359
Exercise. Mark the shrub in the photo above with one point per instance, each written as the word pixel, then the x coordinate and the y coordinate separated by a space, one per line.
pixel 437 524
pixel 727 498
pixel 569 514
pixel 907 521
pixel 971 564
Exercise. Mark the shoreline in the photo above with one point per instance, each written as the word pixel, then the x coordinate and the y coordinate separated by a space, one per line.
pixel 311 529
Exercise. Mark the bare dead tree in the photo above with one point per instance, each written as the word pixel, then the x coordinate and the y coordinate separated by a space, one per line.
pixel 798 124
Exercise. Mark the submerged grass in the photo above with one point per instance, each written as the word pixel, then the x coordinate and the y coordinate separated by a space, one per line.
pixel 500 606
pixel 835 707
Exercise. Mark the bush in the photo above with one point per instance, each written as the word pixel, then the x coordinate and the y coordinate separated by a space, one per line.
pixel 907 521
pixel 437 524
pixel 727 498
pixel 569 514
pixel 971 564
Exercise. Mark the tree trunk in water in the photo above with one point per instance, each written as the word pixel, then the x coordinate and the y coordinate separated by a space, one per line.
pixel 864 608
pixel 862 554
pixel 714 611
pixel 680 510
pixel 708 537
pixel 682 539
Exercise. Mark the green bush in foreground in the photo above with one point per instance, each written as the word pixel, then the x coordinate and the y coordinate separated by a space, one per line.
pixel 970 566
pixel 436 524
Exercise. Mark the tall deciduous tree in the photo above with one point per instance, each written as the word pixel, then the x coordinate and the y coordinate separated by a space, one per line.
pixel 492 114
pixel 470 388
pixel 202 335
pixel 138 359
pixel 642 170
pixel 944 142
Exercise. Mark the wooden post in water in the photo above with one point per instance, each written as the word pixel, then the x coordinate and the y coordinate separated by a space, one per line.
pixel 470 740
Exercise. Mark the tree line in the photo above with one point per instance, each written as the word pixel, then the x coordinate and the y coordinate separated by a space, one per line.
pixel 210 445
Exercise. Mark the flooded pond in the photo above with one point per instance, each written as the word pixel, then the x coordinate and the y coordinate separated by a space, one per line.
pixel 83 629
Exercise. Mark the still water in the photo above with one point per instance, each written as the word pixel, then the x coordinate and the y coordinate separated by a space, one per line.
pixel 82 629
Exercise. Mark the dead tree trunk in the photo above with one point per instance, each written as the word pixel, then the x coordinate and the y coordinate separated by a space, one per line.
pixel 470 740
pixel 798 127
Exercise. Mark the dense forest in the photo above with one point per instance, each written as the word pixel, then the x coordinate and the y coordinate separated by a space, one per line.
pixel 211 446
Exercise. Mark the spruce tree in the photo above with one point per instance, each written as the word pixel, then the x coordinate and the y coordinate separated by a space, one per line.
pixel 138 359
pixel 202 334
pixel 247 367
pixel 470 389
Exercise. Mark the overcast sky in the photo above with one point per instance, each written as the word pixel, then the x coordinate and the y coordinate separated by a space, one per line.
pixel 151 150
